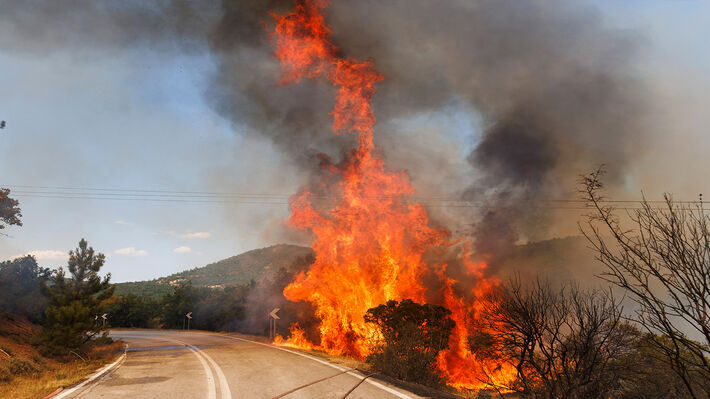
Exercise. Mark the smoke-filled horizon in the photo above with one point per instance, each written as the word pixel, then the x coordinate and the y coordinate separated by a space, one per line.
pixel 548 89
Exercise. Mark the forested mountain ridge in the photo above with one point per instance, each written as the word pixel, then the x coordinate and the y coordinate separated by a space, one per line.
pixel 561 258
pixel 236 270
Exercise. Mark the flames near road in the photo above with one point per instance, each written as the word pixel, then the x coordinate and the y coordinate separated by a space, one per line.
pixel 372 243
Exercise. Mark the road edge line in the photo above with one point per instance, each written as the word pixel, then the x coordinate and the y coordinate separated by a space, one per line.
pixel 335 366
pixel 92 377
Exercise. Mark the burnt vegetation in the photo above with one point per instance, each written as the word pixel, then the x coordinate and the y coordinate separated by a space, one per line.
pixel 663 264
pixel 566 342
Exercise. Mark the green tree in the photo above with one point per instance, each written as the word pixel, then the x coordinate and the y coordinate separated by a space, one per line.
pixel 177 303
pixel 20 286
pixel 411 336
pixel 220 309
pixel 9 210
pixel 74 301
pixel 132 311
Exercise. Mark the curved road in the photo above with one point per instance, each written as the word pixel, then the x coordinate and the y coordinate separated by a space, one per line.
pixel 175 364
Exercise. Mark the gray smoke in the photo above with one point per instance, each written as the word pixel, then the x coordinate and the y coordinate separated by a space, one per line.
pixel 554 88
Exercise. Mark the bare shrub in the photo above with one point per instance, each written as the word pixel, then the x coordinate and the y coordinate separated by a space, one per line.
pixel 663 264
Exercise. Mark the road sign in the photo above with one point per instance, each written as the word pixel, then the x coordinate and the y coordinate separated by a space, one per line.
pixel 189 315
pixel 272 322
pixel 103 316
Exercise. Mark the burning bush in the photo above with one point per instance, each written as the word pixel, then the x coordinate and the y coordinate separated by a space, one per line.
pixel 561 342
pixel 410 337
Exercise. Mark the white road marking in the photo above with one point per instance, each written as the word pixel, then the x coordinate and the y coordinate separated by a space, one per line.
pixel 335 366
pixel 315 359
pixel 92 378
pixel 211 386
pixel 225 392
pixel 223 385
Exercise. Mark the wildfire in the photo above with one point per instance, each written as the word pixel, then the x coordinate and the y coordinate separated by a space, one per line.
pixel 297 339
pixel 370 239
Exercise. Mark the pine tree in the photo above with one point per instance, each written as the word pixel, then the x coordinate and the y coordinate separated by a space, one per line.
pixel 74 301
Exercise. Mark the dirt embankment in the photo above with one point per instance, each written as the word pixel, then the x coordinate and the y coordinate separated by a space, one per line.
pixel 26 373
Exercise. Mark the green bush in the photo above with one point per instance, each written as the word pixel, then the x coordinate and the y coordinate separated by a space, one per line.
pixel 412 335
pixel 20 287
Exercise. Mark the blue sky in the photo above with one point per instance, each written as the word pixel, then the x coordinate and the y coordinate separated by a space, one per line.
pixel 128 123
pixel 137 120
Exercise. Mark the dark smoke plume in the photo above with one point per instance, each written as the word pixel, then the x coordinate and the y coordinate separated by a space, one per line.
pixel 555 89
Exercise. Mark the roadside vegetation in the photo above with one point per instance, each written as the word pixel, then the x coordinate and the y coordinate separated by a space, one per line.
pixel 410 337
pixel 50 335
pixel 25 372
pixel 74 303
pixel 567 342
pixel 662 264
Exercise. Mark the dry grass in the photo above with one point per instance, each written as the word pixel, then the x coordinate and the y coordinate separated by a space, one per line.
pixel 25 373
pixel 56 374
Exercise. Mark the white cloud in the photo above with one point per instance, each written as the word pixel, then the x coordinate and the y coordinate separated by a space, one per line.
pixel 182 250
pixel 190 235
pixel 197 235
pixel 123 222
pixel 131 251
pixel 48 254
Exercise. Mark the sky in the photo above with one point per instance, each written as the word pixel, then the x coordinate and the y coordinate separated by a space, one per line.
pixel 136 119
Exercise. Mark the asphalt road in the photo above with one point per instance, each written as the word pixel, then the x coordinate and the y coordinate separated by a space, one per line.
pixel 174 364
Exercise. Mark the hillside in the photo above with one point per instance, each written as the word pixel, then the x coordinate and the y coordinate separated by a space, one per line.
pixel 25 372
pixel 559 259
pixel 235 270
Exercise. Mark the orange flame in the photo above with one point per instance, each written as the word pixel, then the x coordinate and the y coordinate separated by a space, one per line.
pixel 297 339
pixel 370 240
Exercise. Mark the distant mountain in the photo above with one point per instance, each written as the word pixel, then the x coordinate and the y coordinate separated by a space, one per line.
pixel 236 270
pixel 559 259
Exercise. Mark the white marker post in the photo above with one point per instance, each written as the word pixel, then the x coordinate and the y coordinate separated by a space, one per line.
pixel 272 323
pixel 189 317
